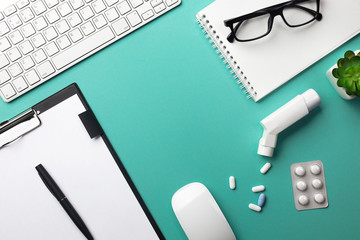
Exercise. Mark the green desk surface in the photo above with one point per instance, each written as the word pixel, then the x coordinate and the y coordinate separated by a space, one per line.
pixel 175 115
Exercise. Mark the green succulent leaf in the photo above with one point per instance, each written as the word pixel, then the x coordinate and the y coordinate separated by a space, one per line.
pixel 348 91
pixel 354 61
pixel 345 62
pixel 349 54
pixel 339 62
pixel 335 73
pixel 348 82
pixel 340 71
pixel 341 82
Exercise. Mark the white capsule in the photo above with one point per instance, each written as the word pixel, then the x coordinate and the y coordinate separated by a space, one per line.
pixel 300 171
pixel 254 207
pixel 303 200
pixel 319 198
pixel 259 188
pixel 315 169
pixel 316 183
pixel 265 168
pixel 232 182
pixel 301 186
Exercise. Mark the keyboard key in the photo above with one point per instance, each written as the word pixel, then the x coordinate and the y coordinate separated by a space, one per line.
pixel 159 7
pixel 4 76
pixel 100 21
pixel 32 77
pixel 28 30
pixel 99 6
pixel 14 21
pixel 111 14
pixel 86 13
pixel 75 35
pixel 154 3
pixel 9 10
pixel 45 69
pixel 50 33
pixel 22 3
pixel 62 26
pixel 3 61
pixel 148 14
pixel 136 3
pixel 40 23
pixel 76 4
pixel 51 3
pixel 74 19
pixel 64 9
pixel 20 84
pixel 14 54
pixel 4 44
pixel 171 2
pixel 87 28
pixel 124 7
pixel 27 15
pixel 84 47
pixel 38 7
pixel 27 62
pixel 16 37
pixel 39 56
pixel 134 18
pixel 38 40
pixel 120 26
pixel 51 49
pixel 63 42
pixel 111 2
pixel 26 47
pixel 15 69
pixel 4 28
pixel 52 16
pixel 1 16
pixel 8 91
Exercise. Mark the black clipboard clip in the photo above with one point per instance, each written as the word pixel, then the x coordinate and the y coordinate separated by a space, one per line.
pixel 13 129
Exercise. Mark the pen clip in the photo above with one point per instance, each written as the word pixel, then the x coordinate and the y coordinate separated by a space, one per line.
pixel 15 128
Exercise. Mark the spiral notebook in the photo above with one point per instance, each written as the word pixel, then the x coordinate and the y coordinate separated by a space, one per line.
pixel 263 65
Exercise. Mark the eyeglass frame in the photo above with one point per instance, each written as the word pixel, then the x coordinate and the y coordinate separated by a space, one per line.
pixel 273 11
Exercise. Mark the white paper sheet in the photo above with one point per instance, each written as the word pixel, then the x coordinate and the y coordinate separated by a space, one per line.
pixel 82 167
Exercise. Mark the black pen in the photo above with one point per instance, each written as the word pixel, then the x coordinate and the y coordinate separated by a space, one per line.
pixel 59 195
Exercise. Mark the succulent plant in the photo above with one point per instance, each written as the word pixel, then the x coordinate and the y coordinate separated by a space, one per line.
pixel 348 73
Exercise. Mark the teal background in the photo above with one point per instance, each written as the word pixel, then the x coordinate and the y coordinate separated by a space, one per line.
pixel 175 115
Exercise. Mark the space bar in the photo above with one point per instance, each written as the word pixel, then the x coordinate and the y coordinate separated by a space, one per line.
pixel 86 46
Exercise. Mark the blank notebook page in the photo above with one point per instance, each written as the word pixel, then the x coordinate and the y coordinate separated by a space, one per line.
pixel 269 62
pixel 85 171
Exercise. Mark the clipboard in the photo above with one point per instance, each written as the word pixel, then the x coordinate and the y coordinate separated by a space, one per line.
pixel 63 134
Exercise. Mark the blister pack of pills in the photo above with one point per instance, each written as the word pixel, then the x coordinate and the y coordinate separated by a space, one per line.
pixel 308 181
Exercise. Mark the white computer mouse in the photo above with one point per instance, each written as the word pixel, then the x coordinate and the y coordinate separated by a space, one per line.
pixel 199 215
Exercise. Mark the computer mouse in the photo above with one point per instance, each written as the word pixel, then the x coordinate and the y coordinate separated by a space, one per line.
pixel 199 214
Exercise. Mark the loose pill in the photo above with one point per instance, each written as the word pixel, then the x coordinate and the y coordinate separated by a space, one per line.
pixel 303 200
pixel 254 207
pixel 265 168
pixel 319 198
pixel 259 188
pixel 301 186
pixel 317 184
pixel 261 200
pixel 315 169
pixel 300 171
pixel 232 182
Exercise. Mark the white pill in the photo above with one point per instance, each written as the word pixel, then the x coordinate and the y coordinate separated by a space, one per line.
pixel 317 184
pixel 319 198
pixel 265 168
pixel 300 171
pixel 301 186
pixel 315 169
pixel 254 207
pixel 232 182
pixel 259 188
pixel 303 200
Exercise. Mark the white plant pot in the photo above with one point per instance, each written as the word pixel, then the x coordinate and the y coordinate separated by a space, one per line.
pixel 340 90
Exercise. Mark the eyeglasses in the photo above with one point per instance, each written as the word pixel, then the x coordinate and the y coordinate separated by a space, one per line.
pixel 258 24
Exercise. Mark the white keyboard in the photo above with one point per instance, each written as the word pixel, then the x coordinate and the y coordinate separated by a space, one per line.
pixel 41 38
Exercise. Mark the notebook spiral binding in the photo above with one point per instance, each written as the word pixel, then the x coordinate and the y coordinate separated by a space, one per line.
pixel 220 46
